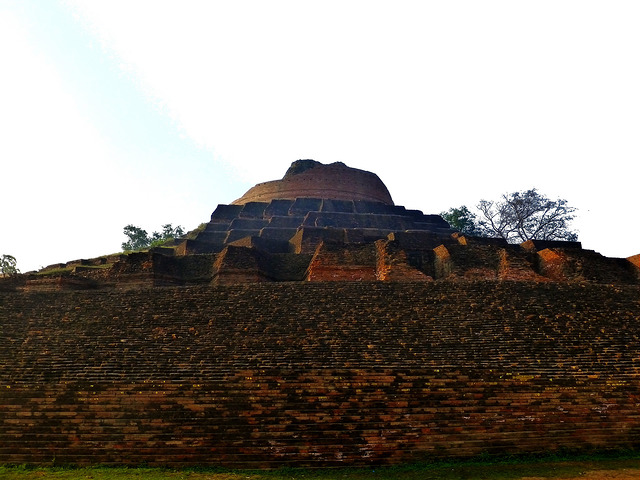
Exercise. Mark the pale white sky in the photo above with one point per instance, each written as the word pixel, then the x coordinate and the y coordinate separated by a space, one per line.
pixel 150 112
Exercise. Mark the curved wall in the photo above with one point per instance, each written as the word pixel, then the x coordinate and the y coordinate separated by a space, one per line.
pixel 335 182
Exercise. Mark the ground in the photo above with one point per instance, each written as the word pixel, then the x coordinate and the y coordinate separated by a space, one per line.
pixel 609 469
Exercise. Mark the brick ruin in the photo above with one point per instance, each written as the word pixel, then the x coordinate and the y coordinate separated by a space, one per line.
pixel 312 322
pixel 329 223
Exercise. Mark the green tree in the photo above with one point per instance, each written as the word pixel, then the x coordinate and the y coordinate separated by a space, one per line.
pixel 139 239
pixel 527 215
pixel 462 219
pixel 168 233
pixel 8 266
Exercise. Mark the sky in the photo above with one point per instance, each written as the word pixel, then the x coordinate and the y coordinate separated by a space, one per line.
pixel 147 112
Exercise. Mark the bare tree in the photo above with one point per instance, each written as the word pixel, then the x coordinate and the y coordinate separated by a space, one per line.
pixel 522 216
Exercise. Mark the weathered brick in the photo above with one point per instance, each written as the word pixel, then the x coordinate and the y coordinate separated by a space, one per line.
pixel 318 373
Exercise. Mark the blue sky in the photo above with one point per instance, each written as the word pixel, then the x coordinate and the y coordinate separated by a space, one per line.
pixel 152 112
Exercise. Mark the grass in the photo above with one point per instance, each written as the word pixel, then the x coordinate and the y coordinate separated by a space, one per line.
pixel 549 467
pixel 97 267
pixel 194 233
pixel 55 271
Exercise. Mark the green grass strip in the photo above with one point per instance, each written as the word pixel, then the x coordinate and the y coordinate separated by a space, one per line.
pixel 552 467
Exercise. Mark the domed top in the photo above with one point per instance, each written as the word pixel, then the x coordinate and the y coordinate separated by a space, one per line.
pixel 311 179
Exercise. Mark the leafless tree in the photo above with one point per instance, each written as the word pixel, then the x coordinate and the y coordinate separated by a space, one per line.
pixel 522 216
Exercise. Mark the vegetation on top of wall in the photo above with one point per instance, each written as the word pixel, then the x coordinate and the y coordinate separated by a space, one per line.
pixel 516 217
pixel 64 270
pixel 193 234
pixel 139 239
pixel 8 266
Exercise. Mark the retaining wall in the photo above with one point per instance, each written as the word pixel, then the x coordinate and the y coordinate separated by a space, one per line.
pixel 317 374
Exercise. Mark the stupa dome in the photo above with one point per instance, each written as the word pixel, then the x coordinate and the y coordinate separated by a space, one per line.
pixel 311 179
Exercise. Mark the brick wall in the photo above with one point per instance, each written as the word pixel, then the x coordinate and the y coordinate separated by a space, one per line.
pixel 317 373
pixel 332 181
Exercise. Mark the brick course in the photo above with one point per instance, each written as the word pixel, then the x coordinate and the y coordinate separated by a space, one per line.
pixel 318 374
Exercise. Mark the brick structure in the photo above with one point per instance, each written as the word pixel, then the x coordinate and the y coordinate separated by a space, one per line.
pixel 311 179
pixel 270 374
pixel 320 332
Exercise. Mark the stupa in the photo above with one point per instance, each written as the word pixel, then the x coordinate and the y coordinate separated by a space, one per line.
pixel 311 179
pixel 312 322
pixel 310 204
pixel 330 223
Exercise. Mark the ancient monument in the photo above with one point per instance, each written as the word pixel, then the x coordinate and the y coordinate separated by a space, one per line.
pixel 314 322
